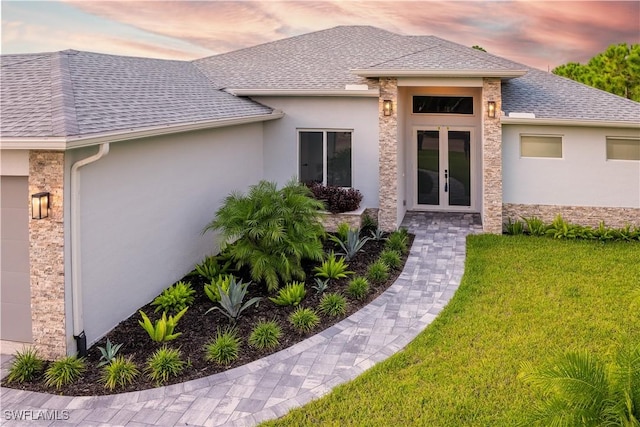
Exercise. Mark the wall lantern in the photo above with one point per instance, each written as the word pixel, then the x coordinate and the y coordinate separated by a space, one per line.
pixel 40 205
pixel 387 107
pixel 491 109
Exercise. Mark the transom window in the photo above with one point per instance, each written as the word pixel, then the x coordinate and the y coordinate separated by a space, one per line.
pixel 541 146
pixel 623 148
pixel 325 157
pixel 443 105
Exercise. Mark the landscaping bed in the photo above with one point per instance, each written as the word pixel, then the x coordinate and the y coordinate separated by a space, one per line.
pixel 198 328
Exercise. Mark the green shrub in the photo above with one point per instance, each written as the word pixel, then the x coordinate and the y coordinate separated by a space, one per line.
pixel 580 390
pixel 266 335
pixel 391 258
pixel 212 290
pixel 343 231
pixel 292 294
pixel 164 363
pixel 514 228
pixel 398 241
pixel 224 348
pixel 211 267
pixel 368 223
pixel 321 285
pixel 26 365
pixel 378 272
pixel 163 329
pixel 64 371
pixel 273 231
pixel 175 298
pixel 535 226
pixel 231 301
pixel 108 353
pixel 120 372
pixel 333 268
pixel 351 245
pixel 603 233
pixel 304 319
pixel 358 287
pixel 333 304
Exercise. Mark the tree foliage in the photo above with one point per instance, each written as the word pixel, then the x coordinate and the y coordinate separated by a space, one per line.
pixel 271 230
pixel 580 390
pixel 616 70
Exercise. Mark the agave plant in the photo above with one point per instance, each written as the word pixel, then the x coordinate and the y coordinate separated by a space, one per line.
pixel 231 301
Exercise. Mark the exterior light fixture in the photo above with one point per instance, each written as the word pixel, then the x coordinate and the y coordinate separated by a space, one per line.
pixel 387 107
pixel 491 109
pixel 40 205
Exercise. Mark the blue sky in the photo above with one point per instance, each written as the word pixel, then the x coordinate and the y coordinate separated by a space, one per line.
pixel 542 34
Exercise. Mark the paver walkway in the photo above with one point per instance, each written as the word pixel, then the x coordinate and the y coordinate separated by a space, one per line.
pixel 270 387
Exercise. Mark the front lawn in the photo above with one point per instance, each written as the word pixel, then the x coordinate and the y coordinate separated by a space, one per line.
pixel 521 299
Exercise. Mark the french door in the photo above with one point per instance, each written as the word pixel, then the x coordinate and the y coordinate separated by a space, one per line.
pixel 444 159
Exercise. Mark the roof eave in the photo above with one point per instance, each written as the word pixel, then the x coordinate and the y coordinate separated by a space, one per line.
pixel 67 143
pixel 367 93
pixel 569 122
pixel 503 74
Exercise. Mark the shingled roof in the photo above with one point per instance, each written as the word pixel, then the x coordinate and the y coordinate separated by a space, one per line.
pixel 73 93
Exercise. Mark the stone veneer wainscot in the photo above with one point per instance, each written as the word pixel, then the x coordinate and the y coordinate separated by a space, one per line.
pixel 46 256
pixel 582 215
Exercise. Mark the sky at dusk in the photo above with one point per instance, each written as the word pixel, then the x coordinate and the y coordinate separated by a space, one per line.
pixel 541 34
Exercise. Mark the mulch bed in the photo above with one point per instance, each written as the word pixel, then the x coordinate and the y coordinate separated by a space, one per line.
pixel 199 329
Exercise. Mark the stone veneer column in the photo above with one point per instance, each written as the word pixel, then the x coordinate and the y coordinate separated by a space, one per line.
pixel 491 159
pixel 388 151
pixel 46 256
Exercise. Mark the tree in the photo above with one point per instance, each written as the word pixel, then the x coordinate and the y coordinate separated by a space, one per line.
pixel 476 47
pixel 616 70
pixel 271 231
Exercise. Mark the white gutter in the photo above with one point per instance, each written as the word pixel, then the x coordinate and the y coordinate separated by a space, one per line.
pixel 65 143
pixel 372 93
pixel 505 120
pixel 374 72
pixel 76 287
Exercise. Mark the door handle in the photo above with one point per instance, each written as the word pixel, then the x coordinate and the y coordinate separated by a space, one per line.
pixel 446 180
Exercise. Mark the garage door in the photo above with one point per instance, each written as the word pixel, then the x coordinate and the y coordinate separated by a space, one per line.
pixel 14 260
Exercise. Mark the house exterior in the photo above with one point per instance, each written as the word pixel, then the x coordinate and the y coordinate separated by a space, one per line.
pixel 137 154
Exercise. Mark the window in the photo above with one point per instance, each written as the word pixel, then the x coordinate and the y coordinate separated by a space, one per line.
pixel 623 148
pixel 443 104
pixel 541 146
pixel 325 157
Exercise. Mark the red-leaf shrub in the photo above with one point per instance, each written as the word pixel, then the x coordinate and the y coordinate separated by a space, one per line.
pixel 336 199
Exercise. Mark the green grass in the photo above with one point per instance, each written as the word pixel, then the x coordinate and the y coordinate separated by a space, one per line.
pixel 521 299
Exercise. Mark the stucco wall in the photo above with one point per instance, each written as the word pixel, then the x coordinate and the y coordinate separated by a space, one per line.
pixel 357 114
pixel 14 162
pixel 582 177
pixel 143 209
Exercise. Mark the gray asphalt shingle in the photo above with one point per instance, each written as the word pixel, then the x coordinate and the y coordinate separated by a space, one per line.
pixel 80 93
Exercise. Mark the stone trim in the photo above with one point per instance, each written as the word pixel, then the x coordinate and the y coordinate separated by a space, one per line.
pixel 491 158
pixel 46 256
pixel 582 215
pixel 388 162
pixel 331 221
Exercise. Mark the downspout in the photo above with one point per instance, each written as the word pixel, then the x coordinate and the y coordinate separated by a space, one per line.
pixel 76 288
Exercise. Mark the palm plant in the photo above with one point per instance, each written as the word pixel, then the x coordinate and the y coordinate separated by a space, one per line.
pixel 272 231
pixel 582 391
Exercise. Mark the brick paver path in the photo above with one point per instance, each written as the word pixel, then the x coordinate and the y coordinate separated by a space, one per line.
pixel 270 387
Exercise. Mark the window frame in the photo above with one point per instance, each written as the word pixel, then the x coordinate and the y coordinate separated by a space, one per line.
pixel 623 138
pixel 325 162
pixel 538 135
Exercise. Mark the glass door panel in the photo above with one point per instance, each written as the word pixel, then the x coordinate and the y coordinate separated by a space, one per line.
pixel 428 167
pixel 459 164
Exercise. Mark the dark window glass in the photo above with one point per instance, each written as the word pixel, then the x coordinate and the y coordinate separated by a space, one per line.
pixel 339 159
pixel 311 157
pixel 443 104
